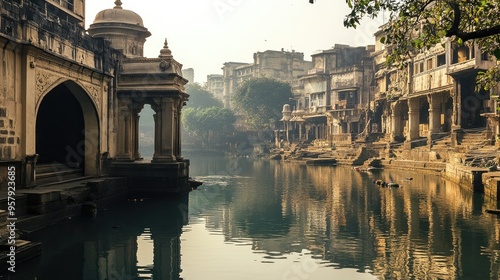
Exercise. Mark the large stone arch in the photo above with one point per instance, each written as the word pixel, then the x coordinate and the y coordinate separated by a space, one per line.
pixel 69 116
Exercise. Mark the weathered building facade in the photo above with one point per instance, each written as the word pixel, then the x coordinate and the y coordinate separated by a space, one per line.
pixel 280 65
pixel 215 85
pixel 71 100
pixel 433 97
pixel 47 61
pixel 331 99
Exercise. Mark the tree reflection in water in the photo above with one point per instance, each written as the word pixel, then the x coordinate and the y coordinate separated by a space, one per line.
pixel 258 219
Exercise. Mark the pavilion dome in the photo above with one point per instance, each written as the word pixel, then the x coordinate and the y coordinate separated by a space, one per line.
pixel 123 28
pixel 118 15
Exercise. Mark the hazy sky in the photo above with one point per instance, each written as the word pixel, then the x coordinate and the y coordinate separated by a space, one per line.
pixel 203 34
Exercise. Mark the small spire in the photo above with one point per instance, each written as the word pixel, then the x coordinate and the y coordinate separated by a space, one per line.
pixel 118 4
pixel 165 52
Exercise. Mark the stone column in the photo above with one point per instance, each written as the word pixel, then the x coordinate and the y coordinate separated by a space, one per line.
pixel 157 140
pixel 165 130
pixel 434 115
pixel 135 131
pixel 178 151
pixel 413 119
pixel 124 132
pixel 396 128
pixel 457 109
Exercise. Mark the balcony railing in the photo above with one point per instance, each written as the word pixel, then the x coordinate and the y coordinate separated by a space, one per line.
pixel 15 17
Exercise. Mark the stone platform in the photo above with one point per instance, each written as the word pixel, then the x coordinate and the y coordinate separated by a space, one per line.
pixel 145 178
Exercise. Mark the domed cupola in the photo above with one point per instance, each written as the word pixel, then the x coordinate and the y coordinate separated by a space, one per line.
pixel 123 28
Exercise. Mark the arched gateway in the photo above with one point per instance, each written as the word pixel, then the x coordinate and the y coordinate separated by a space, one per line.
pixel 67 130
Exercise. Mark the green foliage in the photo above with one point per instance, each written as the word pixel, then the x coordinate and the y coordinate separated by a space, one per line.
pixel 416 25
pixel 200 98
pixel 203 122
pixel 260 100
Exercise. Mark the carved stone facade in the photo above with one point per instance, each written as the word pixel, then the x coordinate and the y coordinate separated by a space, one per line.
pixel 70 99
pixel 46 56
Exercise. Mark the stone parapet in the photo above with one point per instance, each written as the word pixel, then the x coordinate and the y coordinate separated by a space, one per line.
pixel 491 182
pixel 467 177
pixel 414 165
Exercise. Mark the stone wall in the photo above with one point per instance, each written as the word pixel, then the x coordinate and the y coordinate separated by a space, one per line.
pixel 467 177
pixel 8 137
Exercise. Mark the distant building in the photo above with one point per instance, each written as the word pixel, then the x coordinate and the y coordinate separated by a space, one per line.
pixel 188 74
pixel 331 99
pixel 215 85
pixel 231 81
pixel 280 65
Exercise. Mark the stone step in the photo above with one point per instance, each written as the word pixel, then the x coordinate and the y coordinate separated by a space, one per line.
pixel 21 208
pixel 53 173
pixel 24 250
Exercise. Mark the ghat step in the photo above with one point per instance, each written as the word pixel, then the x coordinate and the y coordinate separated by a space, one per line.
pixel 56 172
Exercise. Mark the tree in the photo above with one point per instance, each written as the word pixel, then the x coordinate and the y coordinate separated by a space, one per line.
pixel 208 124
pixel 199 97
pixel 261 100
pixel 421 24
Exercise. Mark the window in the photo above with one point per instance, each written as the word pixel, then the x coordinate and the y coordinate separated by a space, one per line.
pixel 441 60
pixel 484 56
pixel 430 63
pixel 419 67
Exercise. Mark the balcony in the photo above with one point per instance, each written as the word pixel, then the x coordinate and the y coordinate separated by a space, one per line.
pixel 434 79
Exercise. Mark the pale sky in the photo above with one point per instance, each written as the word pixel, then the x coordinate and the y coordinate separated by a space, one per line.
pixel 203 34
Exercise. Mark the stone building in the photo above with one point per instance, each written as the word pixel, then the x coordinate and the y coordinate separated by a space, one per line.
pixel 332 98
pixel 434 97
pixel 188 74
pixel 71 100
pixel 48 60
pixel 215 85
pixel 280 65
pixel 232 78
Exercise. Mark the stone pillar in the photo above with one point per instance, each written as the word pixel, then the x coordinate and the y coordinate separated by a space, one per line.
pixel 396 127
pixel 413 119
pixel 457 109
pixel 157 139
pixel 164 128
pixel 135 131
pixel 434 115
pixel 124 132
pixel 178 151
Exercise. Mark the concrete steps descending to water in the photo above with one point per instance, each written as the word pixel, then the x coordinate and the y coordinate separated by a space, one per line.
pixel 50 203
pixel 472 139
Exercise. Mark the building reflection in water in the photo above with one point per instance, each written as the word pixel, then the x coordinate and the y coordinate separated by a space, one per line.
pixel 135 240
pixel 427 229
pixel 148 248
pixel 285 213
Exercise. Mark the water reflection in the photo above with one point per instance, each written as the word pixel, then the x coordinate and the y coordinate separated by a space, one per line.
pixel 257 219
pixel 426 229
pixel 136 240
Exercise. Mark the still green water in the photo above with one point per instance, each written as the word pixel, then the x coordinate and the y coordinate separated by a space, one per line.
pixel 258 219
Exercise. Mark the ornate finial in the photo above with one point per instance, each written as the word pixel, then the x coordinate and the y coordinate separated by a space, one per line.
pixel 118 4
pixel 165 52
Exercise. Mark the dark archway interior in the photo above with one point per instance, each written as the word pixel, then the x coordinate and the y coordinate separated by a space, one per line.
pixel 472 103
pixel 424 113
pixel 60 129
